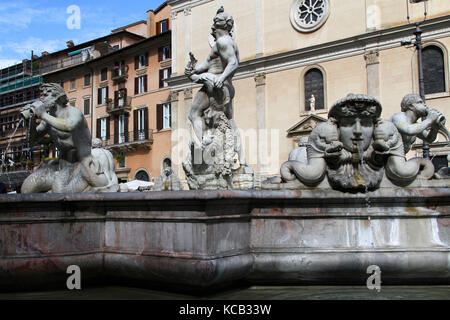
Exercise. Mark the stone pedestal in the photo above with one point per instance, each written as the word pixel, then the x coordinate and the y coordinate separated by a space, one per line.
pixel 205 239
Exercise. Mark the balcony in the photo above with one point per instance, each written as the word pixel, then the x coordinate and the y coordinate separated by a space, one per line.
pixel 119 105
pixel 120 73
pixel 129 141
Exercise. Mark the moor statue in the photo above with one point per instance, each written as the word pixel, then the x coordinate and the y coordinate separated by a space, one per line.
pixel 216 140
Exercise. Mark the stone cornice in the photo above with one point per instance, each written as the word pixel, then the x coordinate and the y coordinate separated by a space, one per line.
pixel 178 5
pixel 352 46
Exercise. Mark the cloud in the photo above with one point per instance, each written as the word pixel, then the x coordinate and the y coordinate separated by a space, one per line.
pixel 37 44
pixel 7 62
pixel 21 16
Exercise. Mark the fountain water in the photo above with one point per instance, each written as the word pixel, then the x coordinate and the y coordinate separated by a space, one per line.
pixel 4 165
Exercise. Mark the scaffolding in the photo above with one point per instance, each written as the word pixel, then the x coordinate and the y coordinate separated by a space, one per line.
pixel 19 85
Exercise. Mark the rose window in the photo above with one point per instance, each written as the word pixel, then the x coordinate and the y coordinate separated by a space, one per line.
pixel 309 15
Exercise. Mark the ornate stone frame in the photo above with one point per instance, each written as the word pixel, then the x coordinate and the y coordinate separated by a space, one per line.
pixel 306 29
pixel 303 111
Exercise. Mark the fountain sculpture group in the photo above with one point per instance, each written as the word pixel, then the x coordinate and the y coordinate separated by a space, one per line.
pixel 311 224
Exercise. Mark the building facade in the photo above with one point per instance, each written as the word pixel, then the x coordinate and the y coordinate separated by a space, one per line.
pixel 19 85
pixel 298 57
pixel 122 90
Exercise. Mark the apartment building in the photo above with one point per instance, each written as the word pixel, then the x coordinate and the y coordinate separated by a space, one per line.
pixel 19 85
pixel 123 92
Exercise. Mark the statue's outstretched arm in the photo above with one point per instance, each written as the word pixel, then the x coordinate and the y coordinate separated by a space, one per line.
pixel 429 135
pixel 411 129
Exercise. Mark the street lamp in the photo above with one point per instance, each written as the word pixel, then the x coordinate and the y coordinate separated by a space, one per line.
pixel 418 45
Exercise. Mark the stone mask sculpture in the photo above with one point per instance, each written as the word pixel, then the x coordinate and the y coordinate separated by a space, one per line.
pixel 353 148
pixel 78 169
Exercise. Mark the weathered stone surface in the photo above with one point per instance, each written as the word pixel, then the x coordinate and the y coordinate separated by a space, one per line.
pixel 201 239
pixel 216 141
pixel 79 168
pixel 355 149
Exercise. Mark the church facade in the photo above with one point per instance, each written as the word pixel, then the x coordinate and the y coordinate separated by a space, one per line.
pixel 297 57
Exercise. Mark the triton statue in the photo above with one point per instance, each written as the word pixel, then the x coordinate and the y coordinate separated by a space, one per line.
pixel 78 169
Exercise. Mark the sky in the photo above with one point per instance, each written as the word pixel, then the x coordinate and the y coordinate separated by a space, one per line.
pixel 46 25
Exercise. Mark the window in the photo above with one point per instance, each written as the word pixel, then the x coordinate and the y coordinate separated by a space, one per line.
pixel 140 124
pixel 122 128
pixel 103 128
pixel 120 68
pixel 166 116
pixel 121 159
pixel 164 75
pixel 104 74
pixel 164 53
pixel 120 97
pixel 314 90
pixel 141 61
pixel 72 84
pixel 140 85
pixel 87 106
pixel 163 116
pixel 87 80
pixel 102 95
pixel 439 162
pixel 433 67
pixel 142 175
pixel 162 26
pixel 72 103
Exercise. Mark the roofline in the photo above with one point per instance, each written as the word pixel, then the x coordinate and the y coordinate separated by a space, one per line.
pixel 131 46
pixel 128 26
pixel 162 6
pixel 84 44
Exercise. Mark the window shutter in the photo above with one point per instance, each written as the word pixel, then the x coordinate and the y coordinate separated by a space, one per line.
pixel 161 76
pixel 116 98
pixel 170 115
pixel 125 127
pixel 159 116
pixel 170 52
pixel 135 124
pixel 136 62
pixel 99 128
pixel 99 96
pixel 136 85
pixel 158 27
pixel 107 129
pixel 116 130
pixel 160 53
pixel 146 59
pixel 145 83
pixel 146 126
pixel 107 95
pixel 87 106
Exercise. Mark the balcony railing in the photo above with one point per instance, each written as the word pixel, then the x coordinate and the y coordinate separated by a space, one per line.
pixel 129 141
pixel 119 105
pixel 120 73
pixel 61 64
